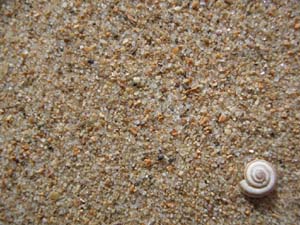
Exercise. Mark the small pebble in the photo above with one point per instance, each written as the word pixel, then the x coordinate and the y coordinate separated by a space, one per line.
pixel 54 195
pixel 195 4
pixel 297 26
pixel 136 81
pixel 222 118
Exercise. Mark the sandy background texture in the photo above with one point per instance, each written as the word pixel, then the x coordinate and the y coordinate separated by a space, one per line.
pixel 146 112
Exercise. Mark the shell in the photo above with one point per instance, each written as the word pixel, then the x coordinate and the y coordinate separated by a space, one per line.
pixel 260 179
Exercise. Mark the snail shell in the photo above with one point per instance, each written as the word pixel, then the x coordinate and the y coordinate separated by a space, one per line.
pixel 260 179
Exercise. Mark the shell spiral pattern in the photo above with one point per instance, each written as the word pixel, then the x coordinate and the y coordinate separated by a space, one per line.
pixel 260 179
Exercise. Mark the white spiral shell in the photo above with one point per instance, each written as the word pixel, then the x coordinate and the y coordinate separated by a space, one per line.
pixel 260 179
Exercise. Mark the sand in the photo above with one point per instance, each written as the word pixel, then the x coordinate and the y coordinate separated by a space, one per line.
pixel 146 112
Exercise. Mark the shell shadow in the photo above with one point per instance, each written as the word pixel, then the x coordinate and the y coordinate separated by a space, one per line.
pixel 265 204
